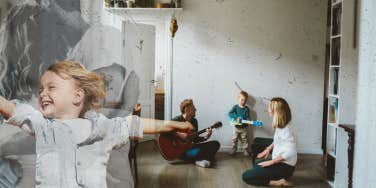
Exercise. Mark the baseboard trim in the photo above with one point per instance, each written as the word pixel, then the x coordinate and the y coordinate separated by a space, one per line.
pixel 225 149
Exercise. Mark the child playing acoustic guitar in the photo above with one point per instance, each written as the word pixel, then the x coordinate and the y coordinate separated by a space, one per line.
pixel 73 141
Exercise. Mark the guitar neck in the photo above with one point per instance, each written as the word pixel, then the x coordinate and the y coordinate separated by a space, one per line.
pixel 247 122
pixel 211 127
pixel 256 123
pixel 216 125
pixel 203 130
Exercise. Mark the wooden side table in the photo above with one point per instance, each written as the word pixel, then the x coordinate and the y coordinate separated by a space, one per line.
pixel 350 129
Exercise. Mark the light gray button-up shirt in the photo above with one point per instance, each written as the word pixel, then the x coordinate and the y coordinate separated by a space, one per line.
pixel 61 161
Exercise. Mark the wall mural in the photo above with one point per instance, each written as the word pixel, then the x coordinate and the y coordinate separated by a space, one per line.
pixel 37 33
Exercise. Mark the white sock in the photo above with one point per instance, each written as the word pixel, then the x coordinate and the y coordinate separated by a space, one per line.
pixel 203 163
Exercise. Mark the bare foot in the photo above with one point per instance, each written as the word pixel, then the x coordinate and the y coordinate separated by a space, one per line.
pixel 281 183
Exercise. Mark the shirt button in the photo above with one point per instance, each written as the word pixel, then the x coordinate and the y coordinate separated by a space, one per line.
pixel 78 163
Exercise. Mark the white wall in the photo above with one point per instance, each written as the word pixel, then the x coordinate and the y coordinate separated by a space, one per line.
pixel 349 65
pixel 365 140
pixel 94 13
pixel 271 48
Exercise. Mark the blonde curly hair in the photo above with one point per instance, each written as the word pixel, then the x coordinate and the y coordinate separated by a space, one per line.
pixel 90 82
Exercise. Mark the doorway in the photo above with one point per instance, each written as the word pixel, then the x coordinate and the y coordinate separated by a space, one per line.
pixel 140 55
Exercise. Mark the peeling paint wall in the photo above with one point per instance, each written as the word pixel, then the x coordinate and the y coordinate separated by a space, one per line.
pixel 270 48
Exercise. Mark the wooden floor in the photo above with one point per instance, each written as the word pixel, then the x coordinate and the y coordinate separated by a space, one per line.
pixel 155 172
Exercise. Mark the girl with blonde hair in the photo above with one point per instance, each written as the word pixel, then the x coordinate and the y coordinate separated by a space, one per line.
pixel 74 140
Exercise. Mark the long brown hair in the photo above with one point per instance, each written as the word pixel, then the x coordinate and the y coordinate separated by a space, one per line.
pixel 281 112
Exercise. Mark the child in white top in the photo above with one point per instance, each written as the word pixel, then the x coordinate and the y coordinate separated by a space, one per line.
pixel 274 172
pixel 73 142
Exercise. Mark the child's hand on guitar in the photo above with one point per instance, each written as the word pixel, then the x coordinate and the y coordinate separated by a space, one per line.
pixel 238 120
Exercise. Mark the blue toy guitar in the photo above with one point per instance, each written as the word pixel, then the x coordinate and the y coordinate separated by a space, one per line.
pixel 256 123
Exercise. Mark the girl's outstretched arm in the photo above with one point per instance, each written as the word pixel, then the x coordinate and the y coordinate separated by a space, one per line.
pixel 6 107
pixel 154 126
pixel 134 127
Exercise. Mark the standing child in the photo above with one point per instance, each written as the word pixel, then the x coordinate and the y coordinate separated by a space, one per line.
pixel 73 142
pixel 238 113
pixel 274 172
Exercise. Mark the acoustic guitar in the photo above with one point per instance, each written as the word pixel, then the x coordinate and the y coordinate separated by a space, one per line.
pixel 172 146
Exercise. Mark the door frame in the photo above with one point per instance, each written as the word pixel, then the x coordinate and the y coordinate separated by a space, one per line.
pixel 163 49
